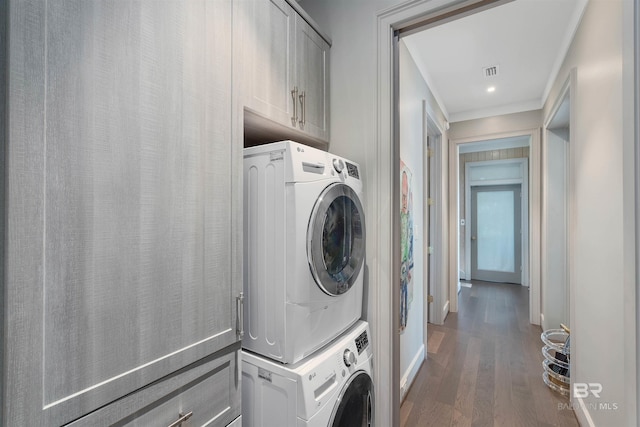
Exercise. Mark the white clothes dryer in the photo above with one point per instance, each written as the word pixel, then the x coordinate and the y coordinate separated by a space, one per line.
pixel 332 388
pixel 304 249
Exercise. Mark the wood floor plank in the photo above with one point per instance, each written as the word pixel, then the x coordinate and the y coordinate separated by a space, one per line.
pixel 433 341
pixel 453 371
pixel 503 406
pixel 437 415
pixel 458 419
pixel 485 382
pixel 405 411
pixel 484 367
pixel 466 391
pixel 422 394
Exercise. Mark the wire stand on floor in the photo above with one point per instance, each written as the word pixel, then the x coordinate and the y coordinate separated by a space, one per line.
pixel 556 363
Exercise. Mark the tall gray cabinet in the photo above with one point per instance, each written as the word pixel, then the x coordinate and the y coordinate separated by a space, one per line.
pixel 122 216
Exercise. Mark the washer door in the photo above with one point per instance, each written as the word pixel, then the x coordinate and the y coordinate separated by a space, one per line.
pixel 336 239
pixel 354 406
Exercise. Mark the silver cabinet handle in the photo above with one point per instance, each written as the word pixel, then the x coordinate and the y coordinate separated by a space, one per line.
pixel 303 107
pixel 180 420
pixel 240 314
pixel 294 95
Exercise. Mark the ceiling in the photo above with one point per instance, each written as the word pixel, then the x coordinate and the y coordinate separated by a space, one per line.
pixel 526 39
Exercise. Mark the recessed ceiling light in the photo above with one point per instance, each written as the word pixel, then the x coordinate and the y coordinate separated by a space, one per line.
pixel 491 89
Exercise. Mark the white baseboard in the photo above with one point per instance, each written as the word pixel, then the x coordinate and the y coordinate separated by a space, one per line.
pixel 411 372
pixel 542 323
pixel 445 311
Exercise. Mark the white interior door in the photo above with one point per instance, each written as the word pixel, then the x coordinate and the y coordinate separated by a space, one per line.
pixel 496 248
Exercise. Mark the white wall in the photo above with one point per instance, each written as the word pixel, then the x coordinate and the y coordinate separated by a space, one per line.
pixel 602 259
pixel 413 92
pixel 496 124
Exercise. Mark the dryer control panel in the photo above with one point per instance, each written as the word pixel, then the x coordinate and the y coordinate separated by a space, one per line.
pixel 362 342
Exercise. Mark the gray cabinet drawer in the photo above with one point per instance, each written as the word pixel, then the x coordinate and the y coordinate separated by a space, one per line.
pixel 209 389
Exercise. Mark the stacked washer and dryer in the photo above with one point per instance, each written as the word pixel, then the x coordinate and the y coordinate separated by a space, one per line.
pixel 307 358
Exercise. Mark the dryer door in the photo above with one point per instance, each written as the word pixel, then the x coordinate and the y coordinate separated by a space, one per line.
pixel 336 238
pixel 355 404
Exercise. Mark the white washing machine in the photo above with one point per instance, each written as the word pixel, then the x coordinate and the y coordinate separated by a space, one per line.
pixel 304 249
pixel 332 388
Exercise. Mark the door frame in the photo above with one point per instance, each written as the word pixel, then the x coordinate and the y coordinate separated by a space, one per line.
pixel 568 91
pixel 386 271
pixel 532 277
pixel 436 311
pixel 524 209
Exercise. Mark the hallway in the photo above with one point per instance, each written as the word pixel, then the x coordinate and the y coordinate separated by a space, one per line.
pixel 484 367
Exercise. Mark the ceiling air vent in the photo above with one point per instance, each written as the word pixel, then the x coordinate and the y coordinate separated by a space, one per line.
pixel 491 71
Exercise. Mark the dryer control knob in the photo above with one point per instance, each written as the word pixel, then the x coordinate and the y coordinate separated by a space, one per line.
pixel 338 165
pixel 348 357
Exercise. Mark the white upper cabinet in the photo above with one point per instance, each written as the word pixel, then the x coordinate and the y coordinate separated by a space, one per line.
pixel 286 66
pixel 312 72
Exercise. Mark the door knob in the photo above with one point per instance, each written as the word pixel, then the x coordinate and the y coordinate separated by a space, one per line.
pixel 473 237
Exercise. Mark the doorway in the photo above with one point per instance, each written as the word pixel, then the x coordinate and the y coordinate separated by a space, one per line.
pixel 520 164
pixel 496 227
pixel 557 210
pixel 409 17
pixel 477 168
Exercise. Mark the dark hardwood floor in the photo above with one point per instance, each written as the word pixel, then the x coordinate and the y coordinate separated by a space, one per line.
pixel 484 367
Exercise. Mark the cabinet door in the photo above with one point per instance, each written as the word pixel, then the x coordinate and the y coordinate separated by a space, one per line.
pixel 312 59
pixel 269 59
pixel 123 256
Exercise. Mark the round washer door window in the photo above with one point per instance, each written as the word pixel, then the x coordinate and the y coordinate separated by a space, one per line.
pixel 336 239
pixel 355 407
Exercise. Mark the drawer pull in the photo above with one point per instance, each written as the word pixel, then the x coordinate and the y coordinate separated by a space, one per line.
pixel 180 420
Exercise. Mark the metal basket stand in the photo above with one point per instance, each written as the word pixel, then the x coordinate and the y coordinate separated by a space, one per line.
pixel 556 363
